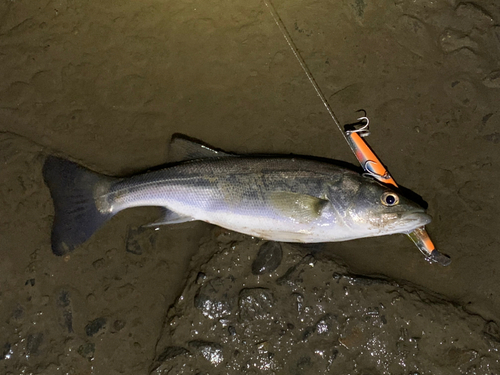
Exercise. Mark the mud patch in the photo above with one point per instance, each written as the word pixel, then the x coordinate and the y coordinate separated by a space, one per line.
pixel 313 316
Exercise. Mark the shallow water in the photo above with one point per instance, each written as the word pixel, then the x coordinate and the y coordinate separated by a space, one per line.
pixel 107 84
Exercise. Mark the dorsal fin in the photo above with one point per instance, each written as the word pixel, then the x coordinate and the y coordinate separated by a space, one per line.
pixel 183 148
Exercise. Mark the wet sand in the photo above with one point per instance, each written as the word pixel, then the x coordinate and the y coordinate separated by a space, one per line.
pixel 106 84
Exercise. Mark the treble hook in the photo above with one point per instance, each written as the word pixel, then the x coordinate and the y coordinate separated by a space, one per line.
pixel 364 130
pixel 369 168
pixel 361 119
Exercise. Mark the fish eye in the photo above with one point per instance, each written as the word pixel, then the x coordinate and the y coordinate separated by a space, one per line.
pixel 389 199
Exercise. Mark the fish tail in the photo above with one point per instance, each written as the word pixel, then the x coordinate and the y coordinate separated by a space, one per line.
pixel 74 190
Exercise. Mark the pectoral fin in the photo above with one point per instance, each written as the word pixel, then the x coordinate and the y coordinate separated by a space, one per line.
pixel 301 207
pixel 170 217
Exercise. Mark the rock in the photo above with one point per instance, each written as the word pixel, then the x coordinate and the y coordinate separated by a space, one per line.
pixel 95 326
pixel 268 259
pixel 210 298
pixel 256 303
pixel 211 351
pixel 87 350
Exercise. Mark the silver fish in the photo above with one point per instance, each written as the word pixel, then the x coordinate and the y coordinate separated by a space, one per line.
pixel 279 198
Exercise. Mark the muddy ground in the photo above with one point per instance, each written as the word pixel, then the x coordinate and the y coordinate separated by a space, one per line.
pixel 107 83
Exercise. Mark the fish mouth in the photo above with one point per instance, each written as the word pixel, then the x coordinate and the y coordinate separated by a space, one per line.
pixel 416 219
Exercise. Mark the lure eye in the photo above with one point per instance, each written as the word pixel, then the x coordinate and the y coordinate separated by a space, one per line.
pixel 389 199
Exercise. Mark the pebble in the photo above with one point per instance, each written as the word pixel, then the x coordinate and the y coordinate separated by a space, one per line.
pixel 211 351
pixel 268 259
pixel 95 326
pixel 87 350
pixel 210 298
pixel 255 303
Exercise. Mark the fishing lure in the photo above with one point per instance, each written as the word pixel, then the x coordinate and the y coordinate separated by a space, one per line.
pixel 374 168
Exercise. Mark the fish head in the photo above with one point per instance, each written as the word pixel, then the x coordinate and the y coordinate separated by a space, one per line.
pixel 378 210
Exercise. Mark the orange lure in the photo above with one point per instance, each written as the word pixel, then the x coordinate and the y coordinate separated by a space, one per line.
pixel 372 166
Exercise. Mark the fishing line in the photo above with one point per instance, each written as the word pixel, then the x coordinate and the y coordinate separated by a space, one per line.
pixel 295 51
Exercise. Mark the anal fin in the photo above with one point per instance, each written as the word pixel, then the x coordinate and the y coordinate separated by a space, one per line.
pixel 169 217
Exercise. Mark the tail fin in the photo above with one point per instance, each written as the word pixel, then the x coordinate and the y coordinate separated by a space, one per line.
pixel 74 190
